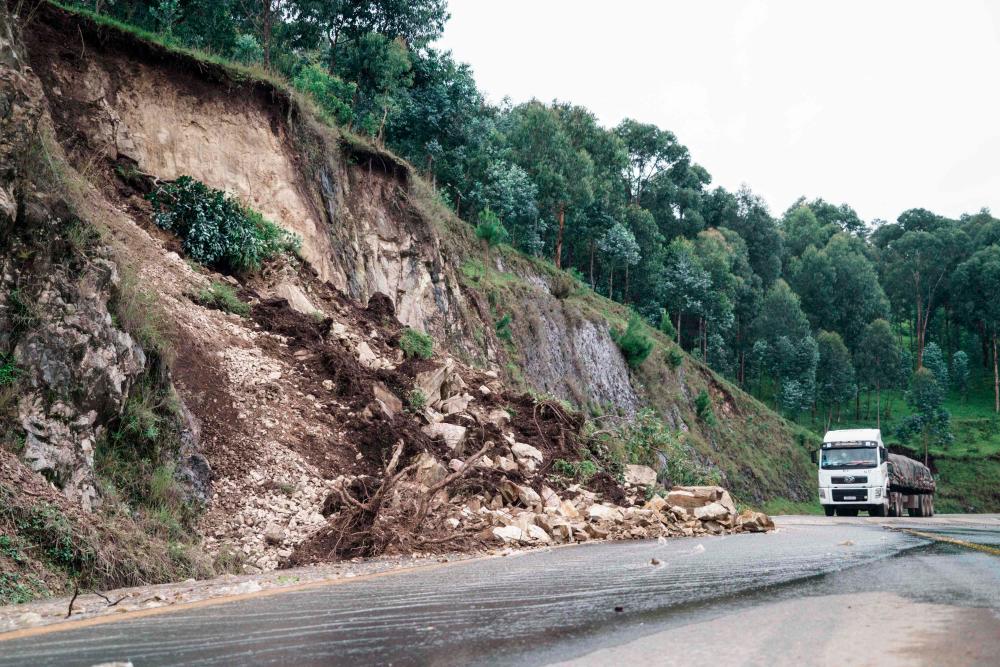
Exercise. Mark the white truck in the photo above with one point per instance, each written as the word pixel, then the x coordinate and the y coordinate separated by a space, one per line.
pixel 856 473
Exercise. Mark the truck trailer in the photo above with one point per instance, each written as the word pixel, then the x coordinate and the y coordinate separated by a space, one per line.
pixel 857 473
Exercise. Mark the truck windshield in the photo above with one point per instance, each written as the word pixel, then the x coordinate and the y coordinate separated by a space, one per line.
pixel 859 457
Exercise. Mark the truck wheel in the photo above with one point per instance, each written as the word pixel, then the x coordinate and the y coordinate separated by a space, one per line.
pixel 829 509
pixel 921 505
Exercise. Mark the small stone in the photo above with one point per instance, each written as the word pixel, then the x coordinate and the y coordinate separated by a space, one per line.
pixel 655 561
pixel 274 534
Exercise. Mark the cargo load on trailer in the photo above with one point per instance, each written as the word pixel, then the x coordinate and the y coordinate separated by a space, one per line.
pixel 906 474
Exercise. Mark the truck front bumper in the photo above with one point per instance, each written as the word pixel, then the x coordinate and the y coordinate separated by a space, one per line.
pixel 847 496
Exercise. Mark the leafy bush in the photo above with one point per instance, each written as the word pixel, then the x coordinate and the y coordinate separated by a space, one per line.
pixel 674 357
pixel 9 372
pixel 247 50
pixel 633 342
pixel 332 94
pixel 667 325
pixel 490 230
pixel 503 330
pixel 416 344
pixel 416 400
pixel 222 297
pixel 563 468
pixel 216 229
pixel 703 408
pixel 586 469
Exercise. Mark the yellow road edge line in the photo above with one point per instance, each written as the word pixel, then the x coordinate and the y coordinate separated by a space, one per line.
pixel 104 619
pixel 994 551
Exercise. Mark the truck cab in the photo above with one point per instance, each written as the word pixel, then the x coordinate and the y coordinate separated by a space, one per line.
pixel 853 473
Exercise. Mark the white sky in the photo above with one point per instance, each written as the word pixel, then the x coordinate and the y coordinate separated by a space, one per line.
pixel 883 104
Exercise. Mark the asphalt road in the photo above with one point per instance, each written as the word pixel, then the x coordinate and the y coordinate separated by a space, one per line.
pixel 817 591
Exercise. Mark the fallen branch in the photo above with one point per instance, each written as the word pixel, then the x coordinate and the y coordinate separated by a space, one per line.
pixel 76 592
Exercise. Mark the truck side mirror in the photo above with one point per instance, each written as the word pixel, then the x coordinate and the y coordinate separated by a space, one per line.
pixel 814 455
pixel 883 454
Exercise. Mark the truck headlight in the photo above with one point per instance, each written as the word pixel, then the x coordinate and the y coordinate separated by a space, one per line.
pixel 822 493
pixel 878 492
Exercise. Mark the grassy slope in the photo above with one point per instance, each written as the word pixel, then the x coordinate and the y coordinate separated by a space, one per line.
pixel 763 457
pixel 968 470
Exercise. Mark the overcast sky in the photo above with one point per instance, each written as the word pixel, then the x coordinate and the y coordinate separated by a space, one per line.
pixel 883 104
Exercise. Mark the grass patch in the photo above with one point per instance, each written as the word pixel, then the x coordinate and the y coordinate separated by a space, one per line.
pixel 221 296
pixel 785 506
pixel 416 344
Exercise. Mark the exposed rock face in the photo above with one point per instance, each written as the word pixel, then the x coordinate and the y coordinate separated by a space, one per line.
pixel 573 357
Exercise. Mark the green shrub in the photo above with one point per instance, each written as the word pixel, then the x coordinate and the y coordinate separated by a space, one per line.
pixel 222 297
pixel 9 372
pixel 247 50
pixel 218 230
pixel 416 400
pixel 674 358
pixel 666 325
pixel 563 468
pixel 703 408
pixel 416 344
pixel 503 329
pixel 491 231
pixel 332 94
pixel 586 469
pixel 633 342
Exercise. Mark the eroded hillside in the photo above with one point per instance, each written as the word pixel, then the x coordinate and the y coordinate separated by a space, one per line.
pixel 286 419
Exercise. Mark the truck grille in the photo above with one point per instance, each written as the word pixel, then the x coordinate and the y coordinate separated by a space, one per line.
pixel 850 495
pixel 850 479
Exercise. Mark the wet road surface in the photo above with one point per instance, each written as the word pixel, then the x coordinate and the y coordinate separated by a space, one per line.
pixel 592 603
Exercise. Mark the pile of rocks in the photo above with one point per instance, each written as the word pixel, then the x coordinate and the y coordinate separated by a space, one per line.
pixel 519 514
pixel 516 503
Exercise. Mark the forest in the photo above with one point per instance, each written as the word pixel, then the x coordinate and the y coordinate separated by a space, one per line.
pixel 824 316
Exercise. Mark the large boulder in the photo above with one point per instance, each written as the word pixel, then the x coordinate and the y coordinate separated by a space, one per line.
pixel 641 476
pixel 712 512
pixel 691 497
pixel 754 522
pixel 528 457
pixel 452 435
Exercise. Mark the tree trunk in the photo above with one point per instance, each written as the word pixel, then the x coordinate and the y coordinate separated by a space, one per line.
pixel 333 50
pixel 857 404
pixel 679 329
pixel 611 282
pixel 625 298
pixel 265 32
pixel 920 335
pixel 592 244
pixel 996 377
pixel 559 237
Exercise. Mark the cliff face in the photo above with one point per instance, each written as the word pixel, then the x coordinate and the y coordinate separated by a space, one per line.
pixel 259 435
